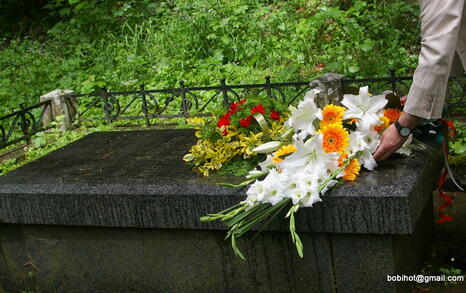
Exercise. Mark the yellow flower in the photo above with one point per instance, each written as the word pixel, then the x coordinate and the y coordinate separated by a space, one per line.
pixel 332 114
pixel 392 114
pixel 382 126
pixel 352 170
pixel 335 139
pixel 284 150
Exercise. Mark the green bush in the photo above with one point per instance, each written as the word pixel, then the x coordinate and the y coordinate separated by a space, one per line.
pixel 121 44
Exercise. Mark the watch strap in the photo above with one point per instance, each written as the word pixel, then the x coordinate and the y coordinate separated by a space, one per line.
pixel 402 130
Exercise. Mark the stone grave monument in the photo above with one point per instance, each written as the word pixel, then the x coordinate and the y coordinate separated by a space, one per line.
pixel 119 212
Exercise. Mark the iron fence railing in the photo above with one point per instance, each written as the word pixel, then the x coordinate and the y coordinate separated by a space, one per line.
pixel 22 124
pixel 179 102
pixel 182 102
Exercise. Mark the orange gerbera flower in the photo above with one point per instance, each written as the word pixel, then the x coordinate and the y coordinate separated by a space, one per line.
pixel 335 139
pixel 385 123
pixel 284 150
pixel 342 157
pixel 332 114
pixel 352 170
pixel 392 114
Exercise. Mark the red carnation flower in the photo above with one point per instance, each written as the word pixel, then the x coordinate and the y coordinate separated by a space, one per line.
pixel 258 109
pixel 275 115
pixel 224 121
pixel 246 122
pixel 233 108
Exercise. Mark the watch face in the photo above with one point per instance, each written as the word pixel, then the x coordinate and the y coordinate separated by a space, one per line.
pixel 405 131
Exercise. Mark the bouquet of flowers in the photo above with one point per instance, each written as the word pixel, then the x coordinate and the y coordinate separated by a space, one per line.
pixel 318 149
pixel 230 137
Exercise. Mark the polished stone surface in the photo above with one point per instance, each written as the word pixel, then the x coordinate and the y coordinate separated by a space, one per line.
pixel 138 179
pixel 119 212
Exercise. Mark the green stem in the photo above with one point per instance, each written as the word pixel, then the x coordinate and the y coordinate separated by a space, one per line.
pixel 268 222
pixel 246 226
pixel 243 215
pixel 333 175
pixel 222 216
pixel 294 236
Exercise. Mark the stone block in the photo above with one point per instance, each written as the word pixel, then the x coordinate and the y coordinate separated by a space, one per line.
pixel 122 208
pixel 331 88
pixel 60 106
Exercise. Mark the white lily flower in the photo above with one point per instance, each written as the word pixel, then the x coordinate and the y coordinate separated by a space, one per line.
pixel 303 116
pixel 364 108
pixel 363 145
pixel 406 149
pixel 368 161
pixel 309 152
pixel 357 143
pixel 266 164
pixel 320 114
pixel 372 139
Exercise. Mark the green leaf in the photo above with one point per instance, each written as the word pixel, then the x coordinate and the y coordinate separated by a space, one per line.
pixel 367 46
pixel 353 69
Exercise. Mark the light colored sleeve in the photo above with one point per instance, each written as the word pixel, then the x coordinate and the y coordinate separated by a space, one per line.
pixel 443 32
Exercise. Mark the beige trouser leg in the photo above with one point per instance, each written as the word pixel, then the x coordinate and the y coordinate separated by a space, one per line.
pixel 443 31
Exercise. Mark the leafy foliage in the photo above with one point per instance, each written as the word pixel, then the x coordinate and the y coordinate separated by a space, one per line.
pixel 458 145
pixel 239 167
pixel 83 45
pixel 121 44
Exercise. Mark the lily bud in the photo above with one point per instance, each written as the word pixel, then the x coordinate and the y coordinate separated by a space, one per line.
pixel 268 147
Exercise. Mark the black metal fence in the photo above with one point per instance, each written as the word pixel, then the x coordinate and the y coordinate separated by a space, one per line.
pixel 182 102
pixel 22 124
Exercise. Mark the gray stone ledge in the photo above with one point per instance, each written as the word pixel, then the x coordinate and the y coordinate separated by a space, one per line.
pixel 138 179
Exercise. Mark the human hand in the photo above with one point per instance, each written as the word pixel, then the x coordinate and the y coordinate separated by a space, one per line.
pixel 390 142
pixel 403 100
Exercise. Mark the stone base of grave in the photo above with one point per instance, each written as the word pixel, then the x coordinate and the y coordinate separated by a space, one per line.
pixel 119 212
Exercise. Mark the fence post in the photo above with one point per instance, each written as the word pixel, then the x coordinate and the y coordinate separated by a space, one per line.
pixel 145 109
pixel 185 103
pixel 268 87
pixel 226 100
pixel 331 88
pixel 393 80
pixel 60 105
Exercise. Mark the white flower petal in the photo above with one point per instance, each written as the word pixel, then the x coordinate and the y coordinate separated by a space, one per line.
pixel 377 103
pixel 368 162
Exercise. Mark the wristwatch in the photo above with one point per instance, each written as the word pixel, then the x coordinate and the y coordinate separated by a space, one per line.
pixel 404 131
